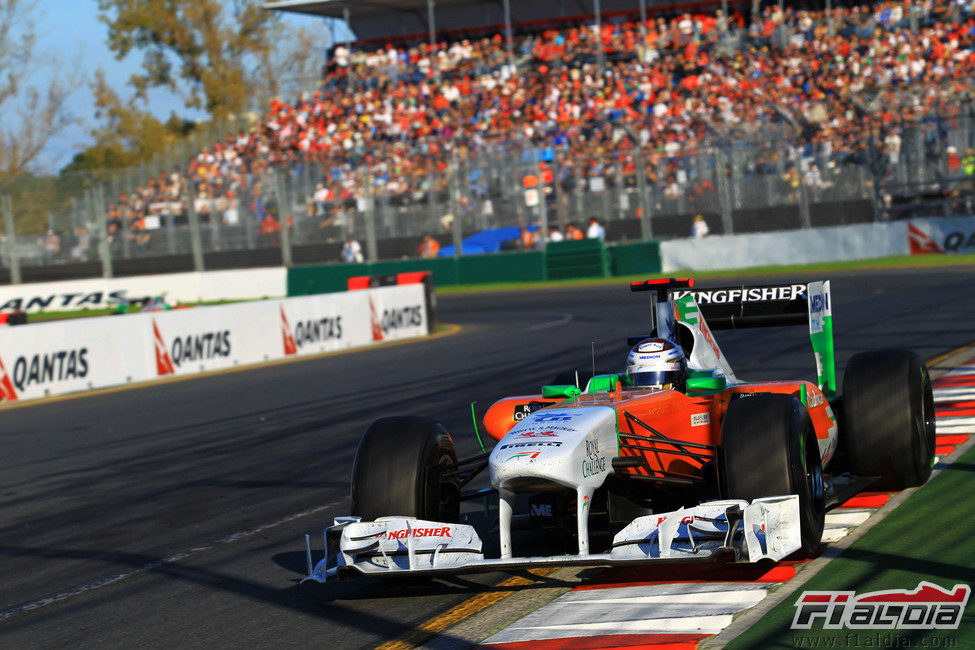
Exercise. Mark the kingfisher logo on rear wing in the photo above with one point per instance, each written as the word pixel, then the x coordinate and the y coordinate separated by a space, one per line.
pixel 743 306
pixel 766 293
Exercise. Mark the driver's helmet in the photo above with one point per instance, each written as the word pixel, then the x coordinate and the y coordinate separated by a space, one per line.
pixel 657 363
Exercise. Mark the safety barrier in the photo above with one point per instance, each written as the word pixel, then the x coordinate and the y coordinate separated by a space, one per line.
pixel 75 355
pixel 582 258
pixel 99 293
pixel 813 245
pixel 469 269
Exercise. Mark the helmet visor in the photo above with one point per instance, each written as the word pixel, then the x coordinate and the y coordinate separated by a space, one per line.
pixel 653 377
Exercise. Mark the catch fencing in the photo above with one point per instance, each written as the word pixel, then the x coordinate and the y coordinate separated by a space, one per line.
pixel 304 212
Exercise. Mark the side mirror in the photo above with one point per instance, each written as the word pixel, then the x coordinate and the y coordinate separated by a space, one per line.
pixel 568 391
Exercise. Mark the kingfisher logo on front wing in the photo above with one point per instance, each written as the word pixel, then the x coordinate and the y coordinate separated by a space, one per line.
pixel 929 607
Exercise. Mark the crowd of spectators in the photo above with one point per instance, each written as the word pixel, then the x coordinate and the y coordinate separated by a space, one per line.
pixel 831 81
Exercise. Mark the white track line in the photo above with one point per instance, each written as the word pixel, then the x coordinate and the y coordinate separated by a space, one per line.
pixel 668 608
pixel 954 394
pixel 746 598
pixel 847 517
pixel 677 625
pixel 152 566
pixel 552 323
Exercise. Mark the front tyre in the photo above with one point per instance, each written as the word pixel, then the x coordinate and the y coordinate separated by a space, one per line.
pixel 887 418
pixel 769 448
pixel 398 469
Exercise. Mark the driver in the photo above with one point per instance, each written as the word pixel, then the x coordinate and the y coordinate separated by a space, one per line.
pixel 657 363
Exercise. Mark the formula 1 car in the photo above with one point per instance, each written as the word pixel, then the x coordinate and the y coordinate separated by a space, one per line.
pixel 722 469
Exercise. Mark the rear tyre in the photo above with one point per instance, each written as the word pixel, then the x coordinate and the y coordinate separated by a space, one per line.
pixel 398 468
pixel 887 417
pixel 769 448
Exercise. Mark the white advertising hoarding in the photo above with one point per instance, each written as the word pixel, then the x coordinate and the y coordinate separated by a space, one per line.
pixel 99 293
pixel 807 246
pixel 37 360
pixel 69 356
pixel 942 235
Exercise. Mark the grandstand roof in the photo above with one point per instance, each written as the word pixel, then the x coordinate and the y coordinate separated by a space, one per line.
pixel 390 19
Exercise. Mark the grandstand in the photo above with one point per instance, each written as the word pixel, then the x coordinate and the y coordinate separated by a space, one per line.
pixel 783 119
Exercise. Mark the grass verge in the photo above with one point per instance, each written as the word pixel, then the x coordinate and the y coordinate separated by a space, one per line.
pixel 40 317
pixel 931 537
pixel 897 262
pixel 903 261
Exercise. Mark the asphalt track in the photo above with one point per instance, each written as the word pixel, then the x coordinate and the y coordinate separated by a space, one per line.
pixel 172 515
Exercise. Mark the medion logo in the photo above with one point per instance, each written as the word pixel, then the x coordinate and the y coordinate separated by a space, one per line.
pixel 80 300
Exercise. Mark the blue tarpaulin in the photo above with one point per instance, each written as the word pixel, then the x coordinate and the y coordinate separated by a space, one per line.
pixel 487 241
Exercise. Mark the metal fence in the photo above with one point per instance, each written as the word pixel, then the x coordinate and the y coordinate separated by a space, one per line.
pixel 737 186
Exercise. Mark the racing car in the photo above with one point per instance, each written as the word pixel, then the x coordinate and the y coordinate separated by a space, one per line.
pixel 674 460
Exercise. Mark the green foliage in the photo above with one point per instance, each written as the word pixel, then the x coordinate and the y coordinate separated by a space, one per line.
pixel 34 90
pixel 199 49
pixel 127 136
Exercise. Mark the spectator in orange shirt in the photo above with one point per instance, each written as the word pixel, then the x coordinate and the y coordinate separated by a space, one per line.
pixel 269 229
pixel 573 232
pixel 429 247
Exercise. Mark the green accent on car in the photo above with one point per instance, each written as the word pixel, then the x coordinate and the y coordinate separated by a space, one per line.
pixel 567 391
pixel 802 395
pixel 710 384
pixel 606 383
pixel 476 432
pixel 688 310
pixel 822 345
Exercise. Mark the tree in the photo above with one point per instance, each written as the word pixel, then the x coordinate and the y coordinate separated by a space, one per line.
pixel 199 49
pixel 33 93
pixel 294 64
pixel 127 135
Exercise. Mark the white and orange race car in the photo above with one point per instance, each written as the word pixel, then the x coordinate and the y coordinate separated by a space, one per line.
pixel 719 468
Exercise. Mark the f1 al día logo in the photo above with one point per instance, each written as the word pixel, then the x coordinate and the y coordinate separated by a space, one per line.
pixel 929 607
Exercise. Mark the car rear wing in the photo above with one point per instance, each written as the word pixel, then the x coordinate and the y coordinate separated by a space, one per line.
pixel 774 305
pixel 740 307
pixel 751 306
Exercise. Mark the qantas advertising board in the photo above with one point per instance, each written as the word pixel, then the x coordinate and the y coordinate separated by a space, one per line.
pixel 941 235
pixel 37 360
pixel 99 293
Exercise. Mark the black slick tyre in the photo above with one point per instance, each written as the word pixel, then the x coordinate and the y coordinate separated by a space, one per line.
pixel 397 471
pixel 887 418
pixel 769 449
